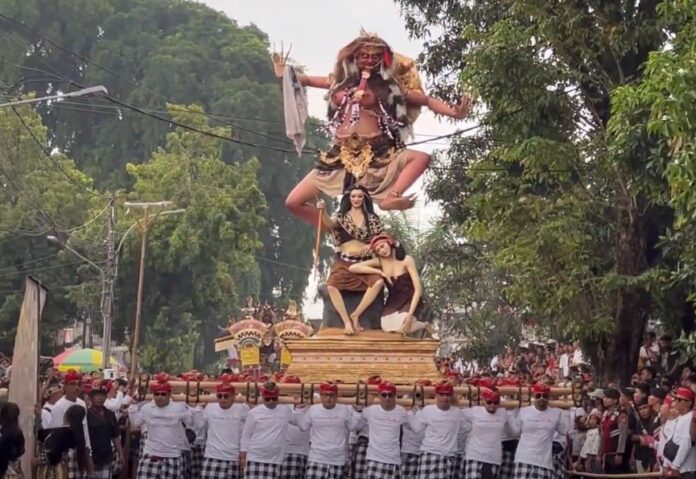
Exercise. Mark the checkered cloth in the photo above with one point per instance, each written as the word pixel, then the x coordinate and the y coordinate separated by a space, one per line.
pixel 360 461
pixel 527 471
pixel 73 466
pixel 197 451
pixel 150 467
pixel 434 466
pixel 380 470
pixel 115 465
pixel 559 464
pixel 186 458
pixel 459 466
pixel 141 444
pixel 479 470
pixel 103 472
pixel 409 466
pixel 218 469
pixel 262 470
pixel 294 466
pixel 507 466
pixel 317 470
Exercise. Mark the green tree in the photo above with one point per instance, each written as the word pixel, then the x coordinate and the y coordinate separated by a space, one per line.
pixel 199 262
pixel 41 194
pixel 148 53
pixel 570 221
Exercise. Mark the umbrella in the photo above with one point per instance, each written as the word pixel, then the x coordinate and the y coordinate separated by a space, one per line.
pixel 85 360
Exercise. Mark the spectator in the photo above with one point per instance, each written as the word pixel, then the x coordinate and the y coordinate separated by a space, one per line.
pixel 649 351
pixel 11 442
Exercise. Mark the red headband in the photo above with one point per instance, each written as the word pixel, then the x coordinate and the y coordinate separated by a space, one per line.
pixel 270 393
pixel 225 387
pixel 444 389
pixel 541 388
pixel 292 380
pixel 386 388
pixel 328 388
pixel 490 395
pixel 161 384
pixel 372 380
pixel 381 239
pixel 72 376
pixel 685 393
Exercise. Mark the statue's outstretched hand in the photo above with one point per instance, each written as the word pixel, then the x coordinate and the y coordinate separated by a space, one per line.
pixel 280 60
pixel 465 106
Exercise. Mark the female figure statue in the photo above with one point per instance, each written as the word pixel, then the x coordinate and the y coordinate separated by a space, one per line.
pixel 401 276
pixel 352 229
pixel 374 96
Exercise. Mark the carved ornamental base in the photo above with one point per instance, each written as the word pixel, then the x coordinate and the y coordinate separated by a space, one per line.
pixel 331 356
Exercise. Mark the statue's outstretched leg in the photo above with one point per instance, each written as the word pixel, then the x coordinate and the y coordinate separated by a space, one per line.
pixel 417 162
pixel 340 306
pixel 299 201
pixel 367 299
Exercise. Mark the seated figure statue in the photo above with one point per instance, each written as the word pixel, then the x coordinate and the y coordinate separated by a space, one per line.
pixel 352 228
pixel 398 270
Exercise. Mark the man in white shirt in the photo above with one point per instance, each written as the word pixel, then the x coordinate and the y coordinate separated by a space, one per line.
pixel 384 423
pixel 441 423
pixel 223 423
pixel 537 425
pixel 72 388
pixel 264 437
pixel 564 361
pixel 486 424
pixel 684 463
pixel 164 419
pixel 329 425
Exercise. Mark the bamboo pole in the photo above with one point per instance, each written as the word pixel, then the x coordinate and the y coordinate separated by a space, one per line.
pixel 351 389
pixel 403 401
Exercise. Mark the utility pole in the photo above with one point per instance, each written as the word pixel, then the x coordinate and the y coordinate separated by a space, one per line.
pixel 110 279
pixel 144 224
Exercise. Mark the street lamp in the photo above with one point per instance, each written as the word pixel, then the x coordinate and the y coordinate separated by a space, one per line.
pixel 105 309
pixel 100 89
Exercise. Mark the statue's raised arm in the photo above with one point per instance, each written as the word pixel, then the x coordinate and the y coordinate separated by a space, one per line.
pixel 374 97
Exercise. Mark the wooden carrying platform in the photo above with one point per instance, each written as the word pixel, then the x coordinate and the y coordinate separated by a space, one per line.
pixel 332 356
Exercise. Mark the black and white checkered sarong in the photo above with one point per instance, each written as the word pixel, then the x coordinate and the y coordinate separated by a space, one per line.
pixel 317 470
pixel 186 463
pixel 197 451
pixel 559 464
pixel 380 470
pixel 150 467
pixel 527 471
pixel 434 466
pixel 360 460
pixel 262 470
pixel 507 466
pixel 73 466
pixel 294 466
pixel 103 472
pixel 458 466
pixel 219 469
pixel 476 469
pixel 409 466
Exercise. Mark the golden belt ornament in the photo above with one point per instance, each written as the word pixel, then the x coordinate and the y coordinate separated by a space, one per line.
pixel 355 154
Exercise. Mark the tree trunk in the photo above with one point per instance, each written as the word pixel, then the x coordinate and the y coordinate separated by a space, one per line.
pixel 632 302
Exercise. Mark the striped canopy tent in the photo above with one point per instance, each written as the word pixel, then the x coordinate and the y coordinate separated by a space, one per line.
pixel 84 360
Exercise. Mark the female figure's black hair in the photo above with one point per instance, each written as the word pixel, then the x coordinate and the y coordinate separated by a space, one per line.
pixel 367 206
pixel 399 252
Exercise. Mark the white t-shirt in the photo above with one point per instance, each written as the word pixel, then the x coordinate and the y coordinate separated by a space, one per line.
pixel 667 432
pixel 165 426
pixel 328 429
pixel 265 434
pixel 223 430
pixel 685 460
pixel 411 442
pixel 486 434
pixel 297 439
pixel 384 431
pixel 537 430
pixel 441 429
pixel 564 365
pixel 58 416
pixel 591 445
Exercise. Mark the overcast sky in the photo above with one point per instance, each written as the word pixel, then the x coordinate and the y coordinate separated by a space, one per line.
pixel 317 30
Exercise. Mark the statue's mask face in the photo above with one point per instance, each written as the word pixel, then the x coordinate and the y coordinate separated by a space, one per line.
pixel 369 57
